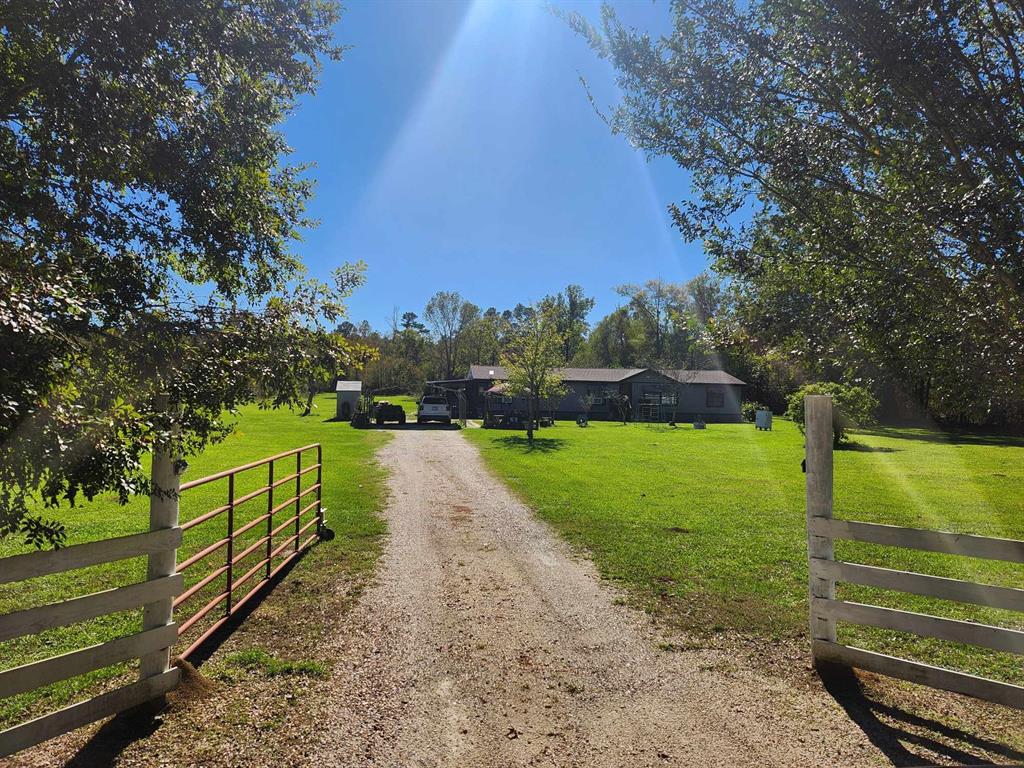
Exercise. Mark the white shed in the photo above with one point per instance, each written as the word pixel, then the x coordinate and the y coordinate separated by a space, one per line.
pixel 348 396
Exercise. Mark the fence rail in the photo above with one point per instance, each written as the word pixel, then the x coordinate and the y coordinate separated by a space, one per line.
pixel 287 521
pixel 33 620
pixel 920 673
pixel 825 572
pixel 984 547
pixel 43 563
pixel 1007 598
pixel 89 711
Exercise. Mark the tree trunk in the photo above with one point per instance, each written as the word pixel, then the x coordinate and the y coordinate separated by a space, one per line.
pixel 529 419
pixel 311 393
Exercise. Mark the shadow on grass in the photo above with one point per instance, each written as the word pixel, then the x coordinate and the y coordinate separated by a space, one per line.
pixel 210 646
pixel 659 427
pixel 862 448
pixel 948 437
pixel 121 731
pixel 409 425
pixel 539 445
pixel 116 735
pixel 416 426
pixel 897 739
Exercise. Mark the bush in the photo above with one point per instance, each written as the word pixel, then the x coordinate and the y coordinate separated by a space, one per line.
pixel 852 406
pixel 749 410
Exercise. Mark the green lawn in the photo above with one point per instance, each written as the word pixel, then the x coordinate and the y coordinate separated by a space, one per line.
pixel 353 488
pixel 706 528
pixel 408 402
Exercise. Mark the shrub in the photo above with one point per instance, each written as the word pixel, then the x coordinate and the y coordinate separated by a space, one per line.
pixel 750 409
pixel 851 406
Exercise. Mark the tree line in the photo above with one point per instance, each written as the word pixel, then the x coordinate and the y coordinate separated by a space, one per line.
pixel 706 322
pixel 659 324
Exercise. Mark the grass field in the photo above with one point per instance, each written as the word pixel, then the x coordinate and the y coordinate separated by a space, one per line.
pixel 408 402
pixel 706 528
pixel 353 488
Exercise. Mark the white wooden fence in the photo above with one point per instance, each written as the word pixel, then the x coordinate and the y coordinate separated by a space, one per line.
pixel 151 646
pixel 825 571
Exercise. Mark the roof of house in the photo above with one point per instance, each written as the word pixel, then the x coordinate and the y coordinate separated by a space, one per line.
pixel 348 386
pixel 613 375
pixel 569 374
pixel 698 376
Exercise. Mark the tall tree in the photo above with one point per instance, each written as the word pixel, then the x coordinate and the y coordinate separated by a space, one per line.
pixel 704 295
pixel 449 314
pixel 483 339
pixel 615 341
pixel 571 308
pixel 327 356
pixel 410 322
pixel 138 157
pixel 531 362
pixel 661 308
pixel 855 163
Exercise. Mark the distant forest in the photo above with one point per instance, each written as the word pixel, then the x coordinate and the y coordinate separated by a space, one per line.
pixel 703 323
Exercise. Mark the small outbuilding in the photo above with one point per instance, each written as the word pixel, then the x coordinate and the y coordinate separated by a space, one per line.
pixel 348 397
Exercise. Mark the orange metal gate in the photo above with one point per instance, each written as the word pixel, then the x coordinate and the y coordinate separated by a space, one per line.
pixel 249 532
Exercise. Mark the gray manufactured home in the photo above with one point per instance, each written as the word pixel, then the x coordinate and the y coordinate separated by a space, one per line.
pixel 653 395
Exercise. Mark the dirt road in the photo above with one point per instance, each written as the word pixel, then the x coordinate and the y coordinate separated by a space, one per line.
pixel 486 642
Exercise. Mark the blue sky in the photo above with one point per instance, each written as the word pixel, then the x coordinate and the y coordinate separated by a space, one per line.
pixel 456 150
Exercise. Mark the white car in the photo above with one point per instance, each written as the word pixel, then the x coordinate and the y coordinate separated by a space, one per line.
pixel 434 408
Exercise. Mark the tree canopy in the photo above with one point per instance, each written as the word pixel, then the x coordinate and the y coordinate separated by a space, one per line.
pixel 858 170
pixel 531 359
pixel 147 219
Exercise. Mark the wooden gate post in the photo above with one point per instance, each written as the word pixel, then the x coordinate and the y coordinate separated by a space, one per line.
pixel 163 513
pixel 818 432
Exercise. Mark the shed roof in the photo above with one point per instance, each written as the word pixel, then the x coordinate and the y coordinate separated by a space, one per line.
pixel 348 386
pixel 612 375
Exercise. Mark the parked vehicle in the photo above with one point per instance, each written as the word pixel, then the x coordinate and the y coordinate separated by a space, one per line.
pixel 386 411
pixel 434 408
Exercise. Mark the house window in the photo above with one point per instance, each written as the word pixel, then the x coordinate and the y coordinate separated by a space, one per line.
pixel 669 398
pixel 715 398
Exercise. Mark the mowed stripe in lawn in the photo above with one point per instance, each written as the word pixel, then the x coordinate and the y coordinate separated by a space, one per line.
pixel 707 527
pixel 353 487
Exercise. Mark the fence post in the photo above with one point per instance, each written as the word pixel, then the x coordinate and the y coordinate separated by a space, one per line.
pixel 163 513
pixel 818 432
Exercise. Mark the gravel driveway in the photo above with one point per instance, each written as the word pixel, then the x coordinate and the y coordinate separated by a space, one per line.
pixel 486 642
